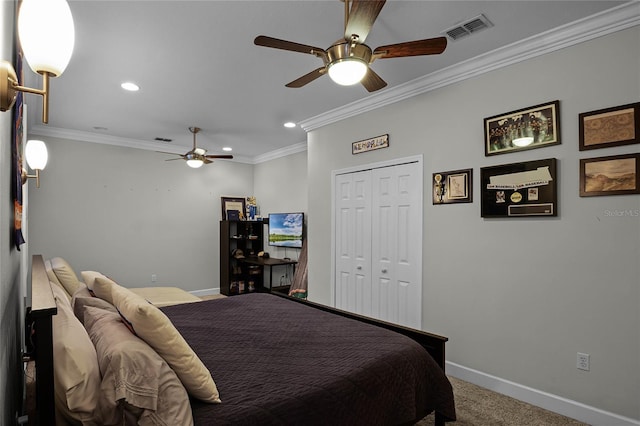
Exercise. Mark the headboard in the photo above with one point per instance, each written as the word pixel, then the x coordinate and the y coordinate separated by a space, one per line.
pixel 43 308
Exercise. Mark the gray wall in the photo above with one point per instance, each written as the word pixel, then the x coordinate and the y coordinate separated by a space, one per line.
pixel 10 290
pixel 518 298
pixel 130 214
pixel 281 187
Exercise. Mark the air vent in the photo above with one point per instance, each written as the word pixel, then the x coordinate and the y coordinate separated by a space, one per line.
pixel 163 140
pixel 468 27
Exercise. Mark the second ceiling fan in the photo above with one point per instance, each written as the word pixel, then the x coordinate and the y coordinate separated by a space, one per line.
pixel 347 60
pixel 196 157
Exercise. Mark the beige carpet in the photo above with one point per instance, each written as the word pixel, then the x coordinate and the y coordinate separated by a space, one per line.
pixel 476 406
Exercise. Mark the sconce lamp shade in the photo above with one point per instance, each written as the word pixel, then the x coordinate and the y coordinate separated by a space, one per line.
pixel 195 163
pixel 47 35
pixel 37 155
pixel 347 72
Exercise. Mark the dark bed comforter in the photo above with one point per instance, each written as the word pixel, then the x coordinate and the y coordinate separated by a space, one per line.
pixel 277 362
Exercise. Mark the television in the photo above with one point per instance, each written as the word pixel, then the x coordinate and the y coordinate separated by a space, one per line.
pixel 285 229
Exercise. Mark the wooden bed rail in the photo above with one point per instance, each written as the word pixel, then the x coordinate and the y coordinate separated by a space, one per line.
pixel 43 308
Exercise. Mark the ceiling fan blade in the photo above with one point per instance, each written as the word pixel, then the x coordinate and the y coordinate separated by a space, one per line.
pixel 219 156
pixel 372 81
pixel 307 78
pixel 286 45
pixel 361 18
pixel 205 160
pixel 170 153
pixel 430 46
pixel 174 159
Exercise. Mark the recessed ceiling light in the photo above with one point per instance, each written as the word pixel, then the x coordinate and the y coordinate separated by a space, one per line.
pixel 131 87
pixel 289 124
pixel 227 148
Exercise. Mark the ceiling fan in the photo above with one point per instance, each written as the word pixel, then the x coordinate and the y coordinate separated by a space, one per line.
pixel 349 54
pixel 196 157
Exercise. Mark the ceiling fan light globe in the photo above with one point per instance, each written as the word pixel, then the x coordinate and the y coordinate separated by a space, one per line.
pixel 348 71
pixel 195 163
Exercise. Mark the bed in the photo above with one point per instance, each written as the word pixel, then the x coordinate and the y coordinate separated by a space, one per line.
pixel 278 360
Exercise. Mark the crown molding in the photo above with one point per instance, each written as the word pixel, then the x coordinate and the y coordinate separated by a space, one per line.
pixel 282 152
pixel 77 135
pixel 616 19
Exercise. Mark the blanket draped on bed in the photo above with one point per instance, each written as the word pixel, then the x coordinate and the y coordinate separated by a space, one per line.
pixel 277 362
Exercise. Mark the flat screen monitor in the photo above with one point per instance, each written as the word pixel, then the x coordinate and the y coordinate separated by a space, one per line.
pixel 285 229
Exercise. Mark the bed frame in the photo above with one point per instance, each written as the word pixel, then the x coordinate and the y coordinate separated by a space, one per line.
pixel 43 307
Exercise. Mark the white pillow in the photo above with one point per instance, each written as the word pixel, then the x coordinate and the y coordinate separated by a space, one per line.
pixel 89 278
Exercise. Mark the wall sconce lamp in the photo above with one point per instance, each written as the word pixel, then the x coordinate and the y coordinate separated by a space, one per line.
pixel 46 32
pixel 37 156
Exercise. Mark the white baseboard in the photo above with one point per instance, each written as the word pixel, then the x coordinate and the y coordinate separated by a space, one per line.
pixel 557 404
pixel 205 292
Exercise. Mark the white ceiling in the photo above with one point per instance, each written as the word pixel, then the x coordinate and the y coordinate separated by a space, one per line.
pixel 196 65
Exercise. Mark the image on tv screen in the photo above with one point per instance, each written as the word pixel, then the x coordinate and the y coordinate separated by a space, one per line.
pixel 285 229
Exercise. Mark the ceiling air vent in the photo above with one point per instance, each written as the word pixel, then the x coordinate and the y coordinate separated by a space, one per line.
pixel 163 140
pixel 468 27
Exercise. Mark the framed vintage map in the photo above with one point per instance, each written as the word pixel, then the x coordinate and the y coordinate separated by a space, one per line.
pixel 610 127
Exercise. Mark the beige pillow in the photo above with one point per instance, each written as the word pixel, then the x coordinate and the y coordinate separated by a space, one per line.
pixel 134 376
pixel 60 294
pixel 50 273
pixel 102 288
pixel 75 366
pixel 66 275
pixel 89 278
pixel 153 326
pixel 79 302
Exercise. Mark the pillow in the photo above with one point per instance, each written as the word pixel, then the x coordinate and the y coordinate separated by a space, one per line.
pixel 50 273
pixel 66 275
pixel 79 302
pixel 76 374
pixel 155 328
pixel 89 278
pixel 60 294
pixel 102 288
pixel 135 377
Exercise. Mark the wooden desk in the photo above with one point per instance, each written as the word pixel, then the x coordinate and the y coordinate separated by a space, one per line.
pixel 270 263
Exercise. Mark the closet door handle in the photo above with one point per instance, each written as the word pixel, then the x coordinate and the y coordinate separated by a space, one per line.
pixel 384 271
pixel 359 267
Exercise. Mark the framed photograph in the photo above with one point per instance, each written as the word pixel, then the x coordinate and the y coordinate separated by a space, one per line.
pixel 614 175
pixel 610 127
pixel 520 189
pixel 528 128
pixel 452 187
pixel 233 203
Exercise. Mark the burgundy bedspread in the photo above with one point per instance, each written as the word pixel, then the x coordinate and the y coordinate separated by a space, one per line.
pixel 276 362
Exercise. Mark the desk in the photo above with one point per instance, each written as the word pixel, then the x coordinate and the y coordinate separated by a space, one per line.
pixel 270 263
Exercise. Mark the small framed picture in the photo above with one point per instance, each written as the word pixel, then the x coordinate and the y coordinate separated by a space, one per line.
pixel 452 187
pixel 233 204
pixel 528 128
pixel 610 127
pixel 613 175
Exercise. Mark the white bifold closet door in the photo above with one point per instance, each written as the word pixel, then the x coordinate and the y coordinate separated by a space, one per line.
pixel 378 243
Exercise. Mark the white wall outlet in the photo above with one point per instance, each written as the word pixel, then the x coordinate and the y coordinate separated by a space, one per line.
pixel 583 362
pixel 154 278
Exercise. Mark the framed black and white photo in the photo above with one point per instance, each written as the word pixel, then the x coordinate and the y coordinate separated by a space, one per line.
pixel 452 187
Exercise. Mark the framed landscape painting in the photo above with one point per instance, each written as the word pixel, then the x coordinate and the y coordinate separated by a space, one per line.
pixel 613 175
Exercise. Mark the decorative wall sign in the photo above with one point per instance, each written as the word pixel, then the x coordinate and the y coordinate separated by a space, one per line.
pixel 370 144
pixel 614 175
pixel 527 128
pixel 452 187
pixel 519 189
pixel 610 127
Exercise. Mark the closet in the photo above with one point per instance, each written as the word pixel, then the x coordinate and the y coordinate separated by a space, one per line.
pixel 378 242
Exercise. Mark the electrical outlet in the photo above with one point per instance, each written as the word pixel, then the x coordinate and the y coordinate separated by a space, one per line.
pixel 583 362
pixel 154 278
